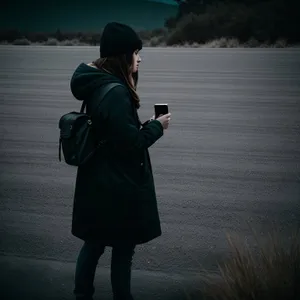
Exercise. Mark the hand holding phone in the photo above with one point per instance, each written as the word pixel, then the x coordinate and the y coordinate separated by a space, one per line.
pixel 164 120
pixel 161 109
pixel 162 114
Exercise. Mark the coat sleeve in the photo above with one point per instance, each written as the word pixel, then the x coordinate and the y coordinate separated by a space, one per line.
pixel 121 123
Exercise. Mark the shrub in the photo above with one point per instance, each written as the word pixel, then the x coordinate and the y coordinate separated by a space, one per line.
pixel 21 42
pixel 252 43
pixel 146 43
pixel 175 38
pixel 273 273
pixel 223 43
pixel 69 43
pixel 195 45
pixel 51 42
pixel 157 41
pixel 154 41
pixel 233 43
pixel 280 43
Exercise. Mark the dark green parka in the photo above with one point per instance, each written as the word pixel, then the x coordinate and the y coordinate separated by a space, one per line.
pixel 115 197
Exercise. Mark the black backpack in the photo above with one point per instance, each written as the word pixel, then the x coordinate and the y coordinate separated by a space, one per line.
pixel 77 140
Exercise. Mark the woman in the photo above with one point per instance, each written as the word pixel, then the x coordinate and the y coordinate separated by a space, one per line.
pixel 115 200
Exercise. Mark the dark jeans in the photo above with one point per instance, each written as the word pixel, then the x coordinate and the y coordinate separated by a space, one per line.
pixel 121 262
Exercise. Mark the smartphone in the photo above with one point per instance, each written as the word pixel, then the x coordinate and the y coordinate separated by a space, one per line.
pixel 160 109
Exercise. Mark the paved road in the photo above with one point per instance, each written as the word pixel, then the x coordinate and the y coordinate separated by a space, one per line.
pixel 230 157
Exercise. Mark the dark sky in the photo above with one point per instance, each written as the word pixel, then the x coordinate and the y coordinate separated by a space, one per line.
pixel 83 15
pixel 165 1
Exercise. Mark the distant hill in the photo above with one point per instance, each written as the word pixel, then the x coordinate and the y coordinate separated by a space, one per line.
pixel 82 15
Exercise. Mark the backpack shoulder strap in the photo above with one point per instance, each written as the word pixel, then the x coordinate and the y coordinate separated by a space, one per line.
pixel 103 93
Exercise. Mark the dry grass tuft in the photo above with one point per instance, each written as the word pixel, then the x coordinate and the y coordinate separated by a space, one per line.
pixel 271 273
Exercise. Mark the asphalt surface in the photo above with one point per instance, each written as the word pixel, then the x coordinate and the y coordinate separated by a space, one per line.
pixel 230 159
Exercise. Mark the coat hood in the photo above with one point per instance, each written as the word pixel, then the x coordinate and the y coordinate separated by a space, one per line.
pixel 87 79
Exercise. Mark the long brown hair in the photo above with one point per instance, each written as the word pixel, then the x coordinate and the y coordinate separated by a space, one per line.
pixel 119 66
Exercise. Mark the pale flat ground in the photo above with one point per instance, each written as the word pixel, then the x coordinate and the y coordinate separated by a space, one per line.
pixel 231 156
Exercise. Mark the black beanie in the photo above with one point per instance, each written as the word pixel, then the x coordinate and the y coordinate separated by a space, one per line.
pixel 119 39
